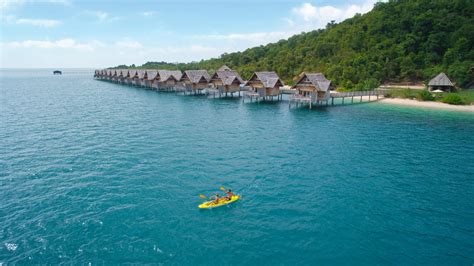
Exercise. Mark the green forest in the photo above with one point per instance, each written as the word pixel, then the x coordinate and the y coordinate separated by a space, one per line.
pixel 398 41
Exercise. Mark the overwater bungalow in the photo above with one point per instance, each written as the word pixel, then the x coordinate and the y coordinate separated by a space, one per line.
pixel 139 78
pixel 441 82
pixel 132 74
pixel 150 77
pixel 226 80
pixel 166 79
pixel 110 74
pixel 311 88
pixel 195 80
pixel 115 75
pixel 264 85
pixel 123 76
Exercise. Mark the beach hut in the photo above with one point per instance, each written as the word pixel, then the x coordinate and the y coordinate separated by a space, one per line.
pixel 226 80
pixel 150 77
pixel 264 85
pixel 132 74
pixel 441 82
pixel 195 80
pixel 313 86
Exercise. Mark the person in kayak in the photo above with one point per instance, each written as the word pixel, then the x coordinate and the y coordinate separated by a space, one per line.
pixel 230 194
pixel 217 197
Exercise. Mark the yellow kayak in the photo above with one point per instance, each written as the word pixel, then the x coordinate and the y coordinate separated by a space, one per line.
pixel 222 202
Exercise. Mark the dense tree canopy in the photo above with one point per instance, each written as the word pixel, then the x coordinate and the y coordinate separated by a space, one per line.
pixel 405 40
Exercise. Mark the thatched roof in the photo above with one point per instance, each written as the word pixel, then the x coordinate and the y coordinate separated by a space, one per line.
pixel 151 74
pixel 124 73
pixel 141 74
pixel 196 76
pixel 224 68
pixel 441 80
pixel 132 72
pixel 167 74
pixel 227 76
pixel 268 79
pixel 318 80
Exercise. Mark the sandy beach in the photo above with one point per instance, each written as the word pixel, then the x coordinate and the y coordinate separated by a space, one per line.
pixel 431 105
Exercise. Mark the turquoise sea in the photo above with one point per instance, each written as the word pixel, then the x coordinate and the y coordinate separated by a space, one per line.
pixel 94 172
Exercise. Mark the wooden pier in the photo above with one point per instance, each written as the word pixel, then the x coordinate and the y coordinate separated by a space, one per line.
pixel 263 86
pixel 353 96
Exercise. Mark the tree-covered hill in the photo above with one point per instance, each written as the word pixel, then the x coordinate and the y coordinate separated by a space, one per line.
pixel 406 40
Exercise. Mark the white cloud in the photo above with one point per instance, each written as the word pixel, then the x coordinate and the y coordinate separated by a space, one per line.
pixel 147 13
pixel 318 17
pixel 129 44
pixel 37 22
pixel 59 44
pixel 10 4
pixel 102 16
pixel 252 38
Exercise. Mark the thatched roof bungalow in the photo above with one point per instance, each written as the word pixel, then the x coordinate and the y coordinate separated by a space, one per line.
pixel 313 85
pixel 110 74
pixel 226 80
pixel 265 83
pixel 132 75
pixel 441 82
pixel 196 80
pixel 224 68
pixel 167 79
pixel 150 76
pixel 139 78
pixel 124 75
pixel 115 75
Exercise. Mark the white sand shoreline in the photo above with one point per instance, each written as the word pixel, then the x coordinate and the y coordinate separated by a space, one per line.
pixel 430 105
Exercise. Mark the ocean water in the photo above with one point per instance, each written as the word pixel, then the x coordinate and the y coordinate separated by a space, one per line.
pixel 94 172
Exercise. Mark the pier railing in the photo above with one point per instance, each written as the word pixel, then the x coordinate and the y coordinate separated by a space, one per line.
pixel 377 92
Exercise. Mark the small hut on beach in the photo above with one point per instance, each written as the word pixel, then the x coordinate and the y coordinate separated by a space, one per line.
pixel 265 84
pixel 441 82
pixel 226 80
pixel 314 86
pixel 195 80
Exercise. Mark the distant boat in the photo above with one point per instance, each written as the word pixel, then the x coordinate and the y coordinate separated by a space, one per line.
pixel 57 72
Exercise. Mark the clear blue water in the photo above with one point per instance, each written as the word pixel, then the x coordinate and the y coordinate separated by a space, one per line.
pixel 97 172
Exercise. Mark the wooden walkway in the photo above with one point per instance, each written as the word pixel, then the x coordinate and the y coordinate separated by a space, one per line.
pixel 353 96
pixel 295 100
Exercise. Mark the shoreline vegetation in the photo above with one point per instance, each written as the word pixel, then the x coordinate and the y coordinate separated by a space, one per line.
pixel 458 97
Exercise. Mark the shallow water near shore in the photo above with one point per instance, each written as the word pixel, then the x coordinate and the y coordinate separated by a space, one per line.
pixel 97 172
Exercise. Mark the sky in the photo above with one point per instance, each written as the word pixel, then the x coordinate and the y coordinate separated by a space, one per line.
pixel 98 34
